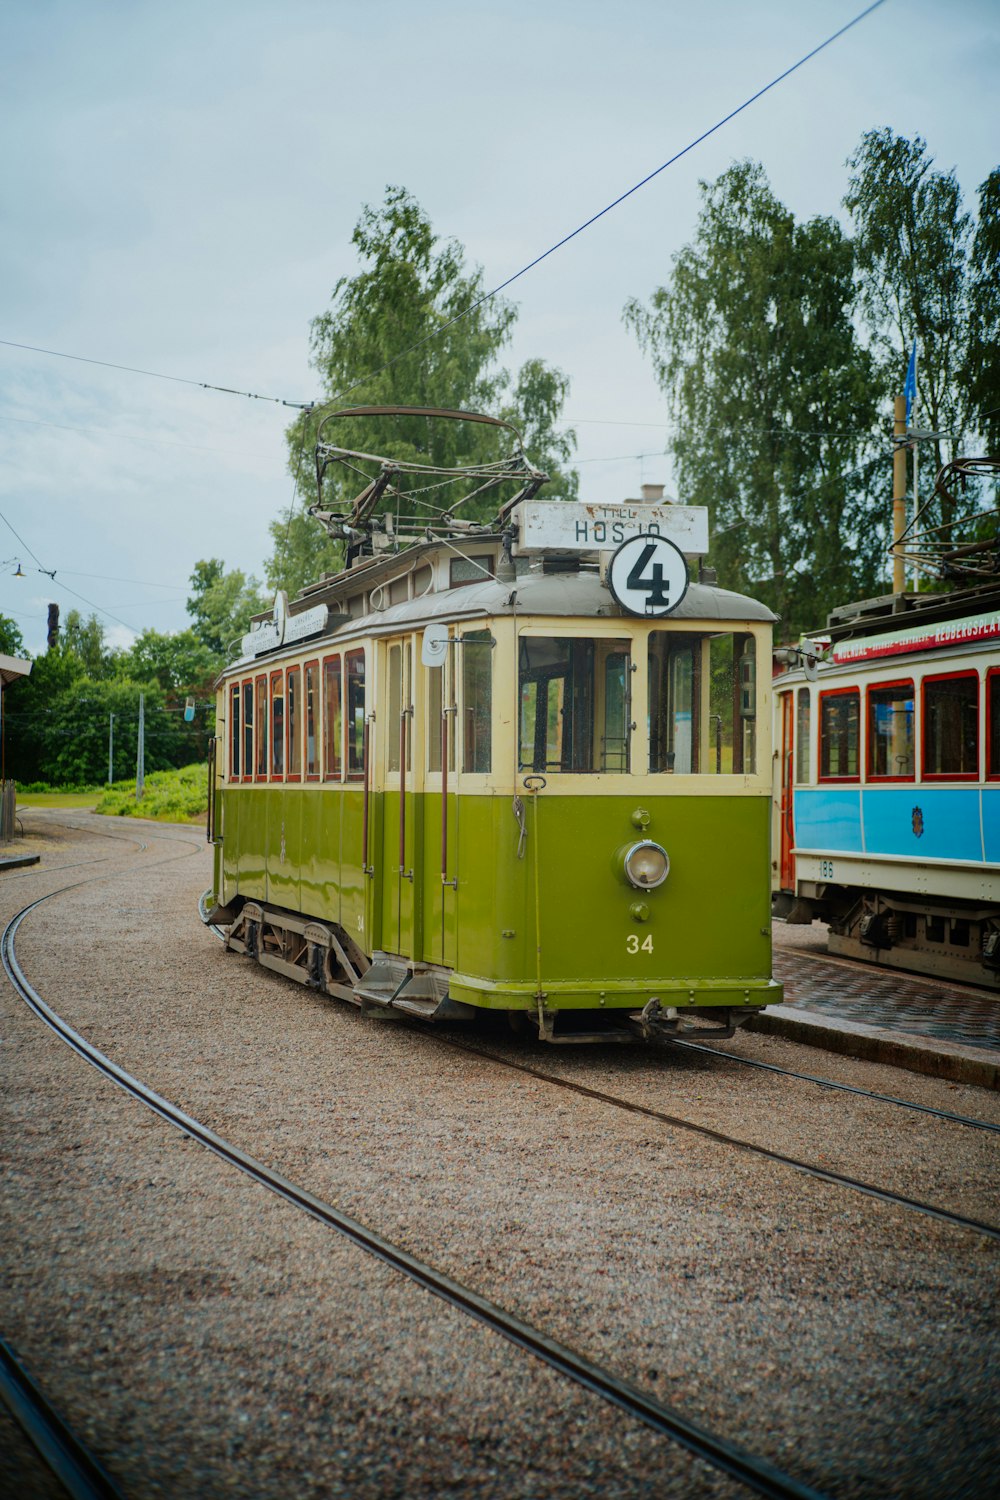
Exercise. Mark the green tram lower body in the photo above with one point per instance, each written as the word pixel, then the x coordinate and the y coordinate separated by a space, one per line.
pixel 506 905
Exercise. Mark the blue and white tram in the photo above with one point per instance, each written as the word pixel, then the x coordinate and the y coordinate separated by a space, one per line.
pixel 887 785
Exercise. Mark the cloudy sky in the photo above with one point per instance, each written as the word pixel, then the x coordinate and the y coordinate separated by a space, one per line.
pixel 180 183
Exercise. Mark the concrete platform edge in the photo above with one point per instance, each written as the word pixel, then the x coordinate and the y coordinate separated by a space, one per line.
pixel 918 1054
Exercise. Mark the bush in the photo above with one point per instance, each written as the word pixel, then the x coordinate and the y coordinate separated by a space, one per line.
pixel 76 788
pixel 171 796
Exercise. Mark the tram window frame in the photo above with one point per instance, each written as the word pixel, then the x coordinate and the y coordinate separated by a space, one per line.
pixel 565 708
pixel 477 708
pixel 249 717
pixel 870 737
pixel 851 778
pixel 261 722
pixel 293 739
pixel 276 730
pixel 354 727
pixel 925 719
pixel 312 717
pixel 235 730
pixel 803 736
pixel 992 696
pixel 439 698
pixel 333 729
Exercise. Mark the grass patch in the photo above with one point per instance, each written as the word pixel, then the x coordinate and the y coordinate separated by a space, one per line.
pixel 28 799
pixel 170 796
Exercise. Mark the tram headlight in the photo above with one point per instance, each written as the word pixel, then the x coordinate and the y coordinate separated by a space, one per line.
pixel 646 865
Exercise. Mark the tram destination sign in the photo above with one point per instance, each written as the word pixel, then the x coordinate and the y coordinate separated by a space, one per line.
pixel 569 526
pixel 283 629
pixel 648 575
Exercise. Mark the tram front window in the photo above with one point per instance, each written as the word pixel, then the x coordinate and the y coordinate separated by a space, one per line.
pixel 575 710
pixel 702 703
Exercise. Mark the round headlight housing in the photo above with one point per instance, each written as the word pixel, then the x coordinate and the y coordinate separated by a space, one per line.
pixel 646 864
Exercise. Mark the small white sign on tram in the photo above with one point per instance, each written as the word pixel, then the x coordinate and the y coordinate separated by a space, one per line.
pixel 283 629
pixel 569 526
pixel 648 576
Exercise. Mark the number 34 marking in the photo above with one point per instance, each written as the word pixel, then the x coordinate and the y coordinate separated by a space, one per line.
pixel 634 946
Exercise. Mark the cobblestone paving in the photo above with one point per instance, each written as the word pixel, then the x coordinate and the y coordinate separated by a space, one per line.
pixel 880 997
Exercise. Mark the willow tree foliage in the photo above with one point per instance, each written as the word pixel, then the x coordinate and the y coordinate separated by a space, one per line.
pixel 982 359
pixel 774 401
pixel 410 329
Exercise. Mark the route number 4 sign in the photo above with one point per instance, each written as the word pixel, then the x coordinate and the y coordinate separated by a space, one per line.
pixel 648 575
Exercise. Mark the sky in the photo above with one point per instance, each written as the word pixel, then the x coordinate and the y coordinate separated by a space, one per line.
pixel 179 184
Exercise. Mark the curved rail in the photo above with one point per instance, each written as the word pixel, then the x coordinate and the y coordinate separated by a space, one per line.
pixel 755 1472
pixel 72 1463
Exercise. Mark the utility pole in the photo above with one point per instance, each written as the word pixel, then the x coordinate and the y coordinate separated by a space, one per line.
pixel 140 762
pixel 111 750
pixel 898 491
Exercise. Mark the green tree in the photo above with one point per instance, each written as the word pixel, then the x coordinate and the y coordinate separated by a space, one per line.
pixel 774 401
pixel 11 639
pixel 84 639
pixel 982 363
pixel 409 329
pixel 221 604
pixel 179 663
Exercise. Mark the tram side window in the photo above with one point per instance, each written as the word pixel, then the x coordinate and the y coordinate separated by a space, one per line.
pixel 234 733
pixel 261 718
pixel 477 701
pixel 312 705
pixel 438 688
pixel 277 723
pixel 803 718
pixel 675 664
pixel 839 735
pixel 333 718
pixel 248 729
pixel 951 726
pixel 993 722
pixel 294 760
pixel 575 704
pixel 890 732
pixel 355 665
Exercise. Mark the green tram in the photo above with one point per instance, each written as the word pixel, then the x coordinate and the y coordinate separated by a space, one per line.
pixel 478 775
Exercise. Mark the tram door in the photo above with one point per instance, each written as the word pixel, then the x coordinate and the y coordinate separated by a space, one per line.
pixel 786 824
pixel 400 851
pixel 439 812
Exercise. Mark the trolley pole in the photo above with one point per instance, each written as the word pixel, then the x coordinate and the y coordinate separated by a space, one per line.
pixel 898 491
pixel 140 760
pixel 111 749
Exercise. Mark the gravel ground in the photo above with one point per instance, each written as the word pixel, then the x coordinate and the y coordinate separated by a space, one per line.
pixel 207 1339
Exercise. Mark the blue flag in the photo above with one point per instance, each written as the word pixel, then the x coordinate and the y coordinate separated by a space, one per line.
pixel 910 388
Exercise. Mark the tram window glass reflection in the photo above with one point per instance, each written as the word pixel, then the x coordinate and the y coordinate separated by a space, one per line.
pixel 277 723
pixel 294 758
pixel 951 726
pixel 440 689
pixel 477 701
pixel 993 722
pixel 332 718
pixel 312 745
pixel 355 665
pixel 674 663
pixel 248 729
pixel 234 732
pixel 575 704
pixel 395 707
pixel 261 716
pixel 803 716
pixel 890 732
pixel 839 734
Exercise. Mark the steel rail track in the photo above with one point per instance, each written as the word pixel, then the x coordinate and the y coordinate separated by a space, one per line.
pixel 810 1169
pixel 70 1460
pixel 831 1083
pixel 747 1468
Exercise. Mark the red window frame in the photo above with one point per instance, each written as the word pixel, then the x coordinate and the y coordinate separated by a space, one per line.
pixel 235 730
pixel 249 761
pixel 992 676
pixel 292 729
pixel 261 724
pixel 842 780
pixel 881 687
pixel 317 709
pixel 926 775
pixel 334 773
pixel 273 739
